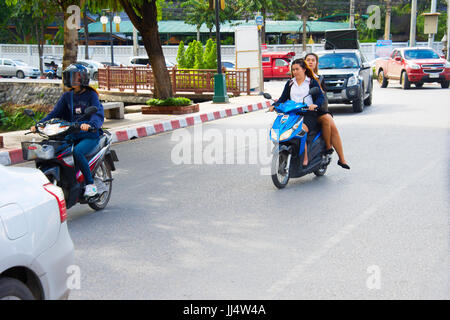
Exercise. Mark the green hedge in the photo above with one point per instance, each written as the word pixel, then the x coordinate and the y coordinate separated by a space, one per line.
pixel 12 117
pixel 170 102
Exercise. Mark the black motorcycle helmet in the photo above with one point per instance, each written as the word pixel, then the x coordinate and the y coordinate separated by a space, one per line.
pixel 76 75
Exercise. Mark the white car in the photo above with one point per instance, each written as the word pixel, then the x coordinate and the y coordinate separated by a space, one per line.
pixel 91 65
pixel 35 246
pixel 144 61
pixel 16 68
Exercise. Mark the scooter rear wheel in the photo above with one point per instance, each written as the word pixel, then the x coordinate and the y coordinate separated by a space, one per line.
pixel 280 169
pixel 102 173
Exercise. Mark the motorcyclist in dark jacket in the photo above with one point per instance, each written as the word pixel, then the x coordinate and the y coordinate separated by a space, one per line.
pixel 71 107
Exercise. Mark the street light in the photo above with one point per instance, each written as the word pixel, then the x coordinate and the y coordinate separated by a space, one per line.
pixel 220 85
pixel 104 20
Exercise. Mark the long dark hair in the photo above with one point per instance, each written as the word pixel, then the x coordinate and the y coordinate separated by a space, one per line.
pixel 316 69
pixel 302 63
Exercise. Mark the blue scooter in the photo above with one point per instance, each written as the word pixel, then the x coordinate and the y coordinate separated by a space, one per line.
pixel 290 139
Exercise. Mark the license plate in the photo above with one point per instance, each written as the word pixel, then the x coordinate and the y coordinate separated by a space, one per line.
pixel 434 75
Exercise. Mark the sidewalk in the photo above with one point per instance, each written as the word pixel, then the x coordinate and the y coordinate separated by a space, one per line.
pixel 138 125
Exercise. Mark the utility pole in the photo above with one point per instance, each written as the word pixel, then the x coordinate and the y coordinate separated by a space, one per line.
pixel 431 35
pixel 352 14
pixel 135 42
pixel 387 26
pixel 412 34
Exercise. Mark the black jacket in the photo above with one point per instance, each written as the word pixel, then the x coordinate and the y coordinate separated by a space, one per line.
pixel 318 100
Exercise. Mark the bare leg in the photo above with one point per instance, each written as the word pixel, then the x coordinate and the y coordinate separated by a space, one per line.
pixel 325 121
pixel 337 142
pixel 305 159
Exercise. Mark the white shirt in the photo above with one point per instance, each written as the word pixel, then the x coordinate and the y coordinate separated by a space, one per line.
pixel 298 92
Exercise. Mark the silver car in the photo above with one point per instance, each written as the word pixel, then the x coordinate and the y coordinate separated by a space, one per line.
pixel 17 68
pixel 91 65
pixel 36 251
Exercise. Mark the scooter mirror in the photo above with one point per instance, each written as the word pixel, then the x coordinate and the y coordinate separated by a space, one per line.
pixel 29 113
pixel 267 96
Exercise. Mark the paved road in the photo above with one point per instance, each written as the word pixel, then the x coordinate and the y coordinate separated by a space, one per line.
pixel 191 231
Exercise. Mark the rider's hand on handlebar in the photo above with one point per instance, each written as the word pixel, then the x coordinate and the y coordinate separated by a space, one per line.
pixel 33 128
pixel 312 107
pixel 271 108
pixel 85 127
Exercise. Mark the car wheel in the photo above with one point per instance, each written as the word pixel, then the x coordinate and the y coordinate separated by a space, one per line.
pixel 444 85
pixel 368 100
pixel 382 80
pixel 358 103
pixel 406 84
pixel 20 74
pixel 13 289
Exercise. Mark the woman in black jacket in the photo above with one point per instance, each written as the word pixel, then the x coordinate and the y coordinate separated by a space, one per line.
pixel 325 118
pixel 297 89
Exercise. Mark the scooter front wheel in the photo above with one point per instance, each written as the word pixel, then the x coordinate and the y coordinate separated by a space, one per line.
pixel 280 169
pixel 103 182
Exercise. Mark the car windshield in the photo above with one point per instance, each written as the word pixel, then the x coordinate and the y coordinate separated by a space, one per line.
pixel 421 54
pixel 20 63
pixel 338 61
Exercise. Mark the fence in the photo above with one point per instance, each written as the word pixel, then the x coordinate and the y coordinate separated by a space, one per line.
pixel 183 80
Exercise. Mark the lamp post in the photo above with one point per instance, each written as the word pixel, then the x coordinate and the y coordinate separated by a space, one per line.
pixel 220 85
pixel 104 20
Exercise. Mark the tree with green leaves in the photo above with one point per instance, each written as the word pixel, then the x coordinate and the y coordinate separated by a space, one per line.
pixel 38 14
pixel 144 15
pixel 190 55
pixel 47 8
pixel 210 59
pixel 198 63
pixel 249 8
pixel 181 58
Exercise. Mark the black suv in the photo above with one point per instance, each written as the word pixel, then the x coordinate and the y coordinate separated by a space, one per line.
pixel 348 77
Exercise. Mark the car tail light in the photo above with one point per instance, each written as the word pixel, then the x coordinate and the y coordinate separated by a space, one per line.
pixel 59 195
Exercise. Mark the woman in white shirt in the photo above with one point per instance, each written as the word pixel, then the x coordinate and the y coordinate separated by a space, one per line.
pixel 297 89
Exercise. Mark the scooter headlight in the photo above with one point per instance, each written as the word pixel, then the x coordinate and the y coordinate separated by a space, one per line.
pixel 273 135
pixel 285 135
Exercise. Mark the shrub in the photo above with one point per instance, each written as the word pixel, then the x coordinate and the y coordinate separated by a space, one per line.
pixel 12 117
pixel 190 55
pixel 198 61
pixel 170 102
pixel 181 55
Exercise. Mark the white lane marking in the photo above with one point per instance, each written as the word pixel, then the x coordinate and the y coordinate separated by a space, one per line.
pixel 299 269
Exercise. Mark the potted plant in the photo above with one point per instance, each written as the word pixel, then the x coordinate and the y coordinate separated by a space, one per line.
pixel 170 106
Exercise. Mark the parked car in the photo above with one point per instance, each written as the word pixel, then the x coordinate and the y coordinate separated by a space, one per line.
pixel 413 66
pixel 276 65
pixel 17 68
pixel 106 63
pixel 35 246
pixel 91 65
pixel 228 64
pixel 348 77
pixel 144 61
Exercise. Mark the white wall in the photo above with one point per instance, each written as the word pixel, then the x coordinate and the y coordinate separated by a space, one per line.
pixel 29 53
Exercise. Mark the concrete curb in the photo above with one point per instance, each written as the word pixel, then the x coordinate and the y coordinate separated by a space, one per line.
pixel 15 156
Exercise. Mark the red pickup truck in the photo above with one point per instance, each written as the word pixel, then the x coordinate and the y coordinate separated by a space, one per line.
pixel 276 65
pixel 413 66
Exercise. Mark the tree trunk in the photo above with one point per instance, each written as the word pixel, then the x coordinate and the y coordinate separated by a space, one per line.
pixel 147 25
pixel 86 33
pixel 198 34
pixel 70 43
pixel 263 29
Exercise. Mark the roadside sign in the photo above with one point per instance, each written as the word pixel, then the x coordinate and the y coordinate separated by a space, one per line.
pixel 259 20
